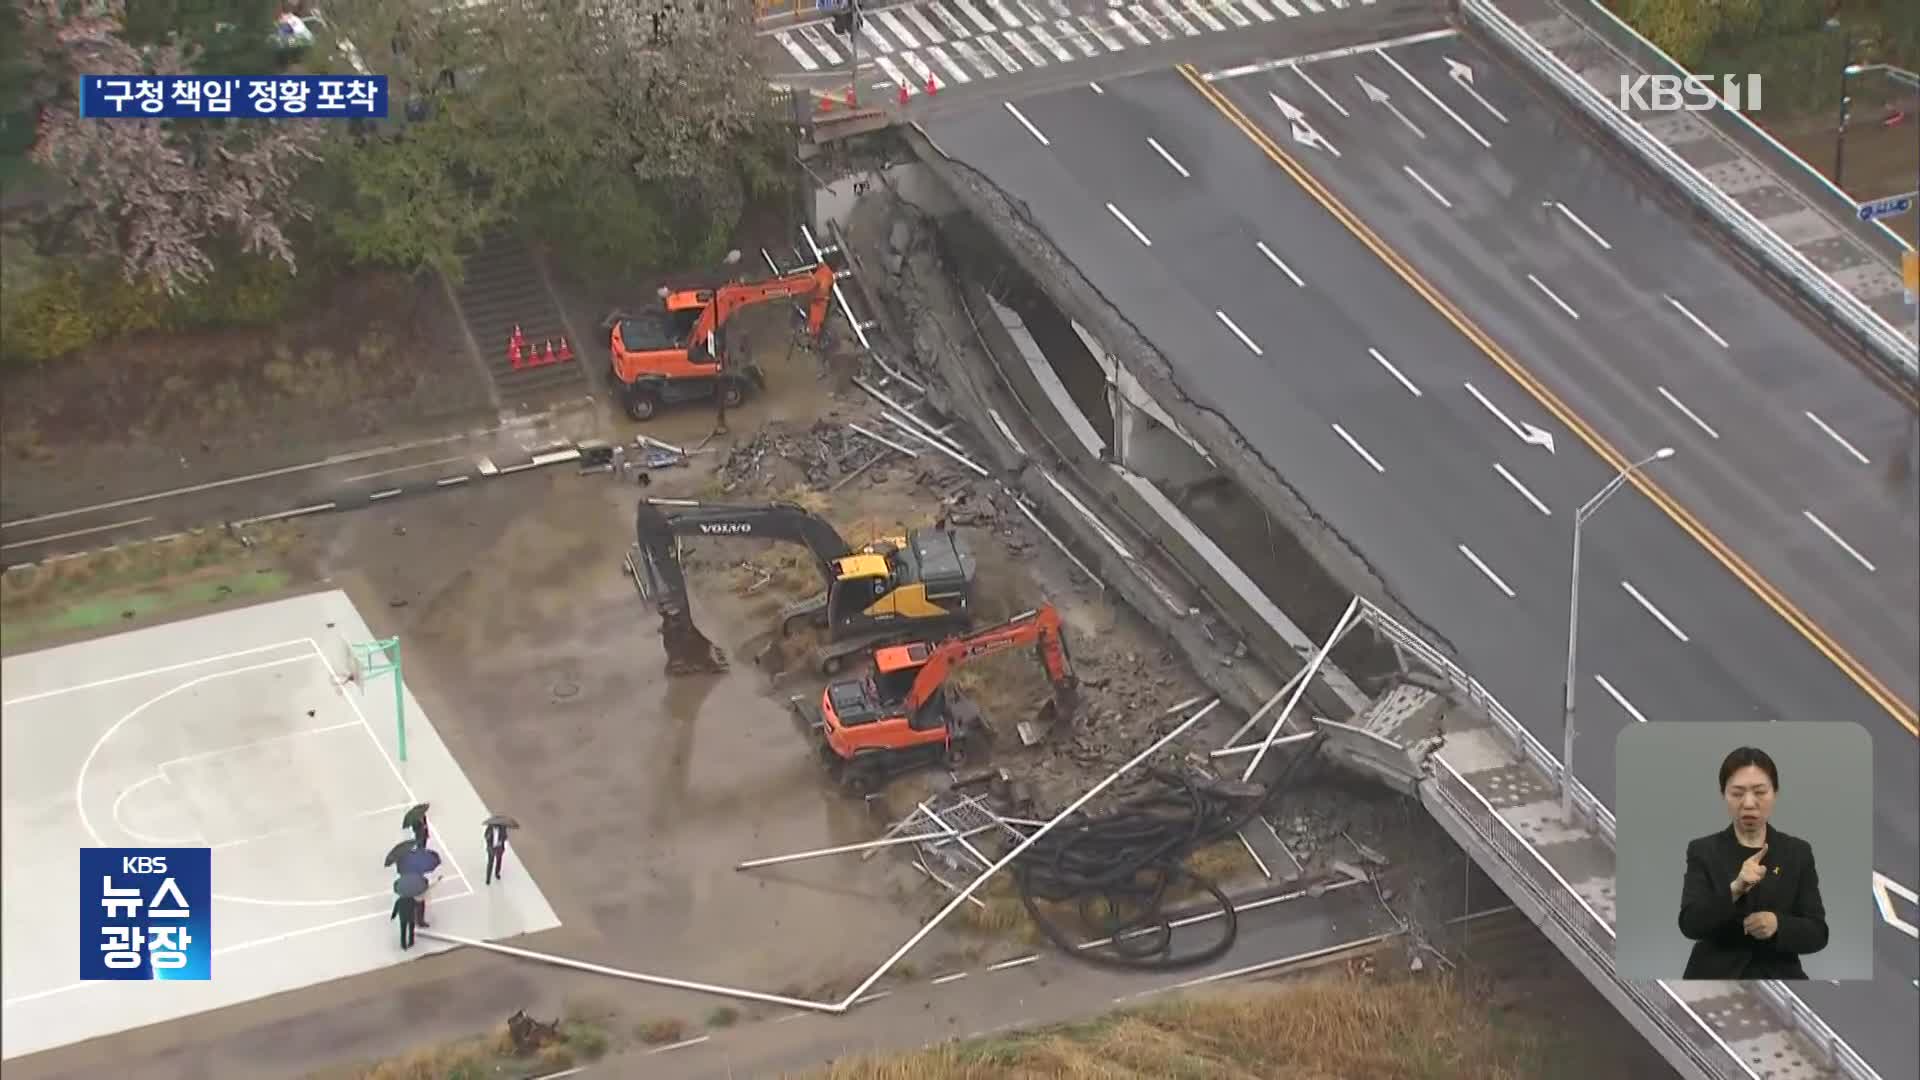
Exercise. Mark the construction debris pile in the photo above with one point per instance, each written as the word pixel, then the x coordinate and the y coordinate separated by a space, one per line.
pixel 820 455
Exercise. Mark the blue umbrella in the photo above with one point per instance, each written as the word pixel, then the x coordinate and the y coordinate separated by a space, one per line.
pixel 418 861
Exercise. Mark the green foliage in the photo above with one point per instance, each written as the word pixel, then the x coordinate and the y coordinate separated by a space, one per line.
pixel 233 36
pixel 606 223
pixel 1682 28
pixel 65 306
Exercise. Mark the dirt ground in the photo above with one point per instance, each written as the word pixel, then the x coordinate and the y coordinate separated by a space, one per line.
pixel 158 410
pixel 1880 159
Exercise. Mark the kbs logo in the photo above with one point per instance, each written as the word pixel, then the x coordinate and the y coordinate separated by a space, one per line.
pixel 1688 93
pixel 146 914
pixel 733 528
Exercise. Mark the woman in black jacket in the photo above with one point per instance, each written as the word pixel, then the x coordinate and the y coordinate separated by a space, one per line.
pixel 1751 902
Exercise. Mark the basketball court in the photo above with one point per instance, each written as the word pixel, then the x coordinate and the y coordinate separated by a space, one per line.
pixel 263 734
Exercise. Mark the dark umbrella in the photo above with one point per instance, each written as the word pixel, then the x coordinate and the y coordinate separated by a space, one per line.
pixel 398 850
pixel 414 817
pixel 418 861
pixel 501 820
pixel 412 885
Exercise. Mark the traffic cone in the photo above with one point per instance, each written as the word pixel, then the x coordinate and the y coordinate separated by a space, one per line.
pixel 513 349
pixel 852 102
pixel 826 103
pixel 566 351
pixel 904 95
pixel 933 85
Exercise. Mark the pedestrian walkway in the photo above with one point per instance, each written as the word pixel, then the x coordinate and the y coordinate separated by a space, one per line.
pixel 935 44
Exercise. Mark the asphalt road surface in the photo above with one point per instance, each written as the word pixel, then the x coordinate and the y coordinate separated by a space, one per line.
pixel 1357 391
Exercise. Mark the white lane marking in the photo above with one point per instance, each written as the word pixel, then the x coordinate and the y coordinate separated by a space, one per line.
pixel 959 73
pixel 71 533
pixel 1006 16
pixel 1654 611
pixel 1835 436
pixel 1441 105
pixel 1046 41
pixel 899 29
pixel 1128 222
pixel 1177 167
pixel 1394 371
pixel 1835 537
pixel 1324 96
pixel 1678 404
pixel 1017 961
pixel 1031 130
pixel 681 1045
pixel 1485 569
pixel 1418 179
pixel 955 977
pixel 1145 18
pixel 1275 260
pixel 927 29
pixel 1358 449
pixel 794 50
pixel 1542 286
pixel 1695 320
pixel 1003 56
pixel 1884 889
pixel 1313 6
pixel 1095 87
pixel 1619 698
pixel 1584 227
pixel 1026 50
pixel 1101 34
pixel 985 24
pixel 1168 13
pixel 1120 23
pixel 1205 16
pixel 1233 14
pixel 1286 9
pixel 1258 12
pixel 875 996
pixel 1239 333
pixel 1522 489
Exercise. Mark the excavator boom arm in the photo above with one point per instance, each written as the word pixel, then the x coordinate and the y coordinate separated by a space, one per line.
pixel 1040 627
pixel 658 522
pixel 815 283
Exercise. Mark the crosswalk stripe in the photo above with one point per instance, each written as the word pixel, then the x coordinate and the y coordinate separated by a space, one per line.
pixel 1129 29
pixel 1258 12
pixel 1233 14
pixel 819 43
pixel 958 73
pixel 973 14
pixel 993 49
pixel 794 50
pixel 1178 20
pixel 1032 15
pixel 1313 6
pixel 1060 9
pixel 1046 42
pixel 1008 17
pixel 1286 9
pixel 972 56
pixel 873 37
pixel 1026 50
pixel 899 30
pixel 920 70
pixel 1205 16
pixel 1068 32
pixel 893 72
pixel 951 21
pixel 925 26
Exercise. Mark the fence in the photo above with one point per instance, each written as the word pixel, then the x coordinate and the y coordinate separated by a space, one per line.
pixel 1574 915
pixel 1889 345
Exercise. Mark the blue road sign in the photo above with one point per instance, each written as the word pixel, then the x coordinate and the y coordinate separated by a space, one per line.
pixel 830 5
pixel 1890 206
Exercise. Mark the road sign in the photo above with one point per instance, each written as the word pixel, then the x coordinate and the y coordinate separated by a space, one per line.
pixel 830 5
pixel 1888 207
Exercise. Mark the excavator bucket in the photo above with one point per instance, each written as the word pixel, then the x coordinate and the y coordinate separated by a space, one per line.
pixel 688 650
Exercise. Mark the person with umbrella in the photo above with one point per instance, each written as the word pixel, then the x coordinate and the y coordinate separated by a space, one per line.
pixel 496 839
pixel 407 906
pixel 418 863
pixel 416 819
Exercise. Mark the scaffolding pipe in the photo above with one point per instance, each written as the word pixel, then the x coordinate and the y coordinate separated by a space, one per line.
pixel 1057 542
pixel 884 441
pixel 962 837
pixel 844 849
pixel 942 447
pixel 1283 740
pixel 1018 850
pixel 1264 709
pixel 906 411
pixel 1319 657
pixel 820 257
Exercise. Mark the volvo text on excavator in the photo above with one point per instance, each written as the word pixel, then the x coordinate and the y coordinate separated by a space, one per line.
pixel 919 585
pixel 679 353
pixel 902 714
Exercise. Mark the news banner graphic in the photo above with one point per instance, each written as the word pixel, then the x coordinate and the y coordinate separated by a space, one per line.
pixel 146 914
pixel 254 97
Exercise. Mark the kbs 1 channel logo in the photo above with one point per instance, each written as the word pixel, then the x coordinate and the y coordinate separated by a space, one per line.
pixel 233 97
pixel 146 914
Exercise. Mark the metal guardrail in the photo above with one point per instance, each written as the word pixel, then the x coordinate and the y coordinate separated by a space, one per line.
pixel 1569 907
pixel 1888 344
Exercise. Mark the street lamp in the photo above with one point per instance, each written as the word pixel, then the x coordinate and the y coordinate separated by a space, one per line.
pixel 1580 516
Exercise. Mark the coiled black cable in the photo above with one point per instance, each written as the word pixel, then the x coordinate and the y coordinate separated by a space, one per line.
pixel 1120 868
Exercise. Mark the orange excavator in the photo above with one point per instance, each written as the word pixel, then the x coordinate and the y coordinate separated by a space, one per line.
pixel 902 715
pixel 678 354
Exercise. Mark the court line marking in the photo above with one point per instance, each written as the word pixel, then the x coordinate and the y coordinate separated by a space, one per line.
pixel 148 838
pixel 26 698
pixel 257 837
pixel 250 744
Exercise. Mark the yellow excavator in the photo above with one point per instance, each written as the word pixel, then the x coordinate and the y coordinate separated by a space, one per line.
pixel 918 586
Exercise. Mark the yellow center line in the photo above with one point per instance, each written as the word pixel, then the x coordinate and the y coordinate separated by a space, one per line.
pixel 1760 586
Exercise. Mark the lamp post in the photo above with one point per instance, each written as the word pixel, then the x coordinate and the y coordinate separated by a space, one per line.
pixel 1580 516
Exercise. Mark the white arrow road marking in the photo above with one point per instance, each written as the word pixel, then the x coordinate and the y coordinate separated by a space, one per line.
pixel 1441 105
pixel 1485 569
pixel 1463 75
pixel 1527 433
pixel 1306 136
pixel 1379 97
pixel 1884 890
pixel 1287 108
pixel 1653 611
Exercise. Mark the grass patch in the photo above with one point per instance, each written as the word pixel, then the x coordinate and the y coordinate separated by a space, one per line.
pixel 1004 914
pixel 661 1031
pixel 1329 1026
pixel 135 581
pixel 488 1056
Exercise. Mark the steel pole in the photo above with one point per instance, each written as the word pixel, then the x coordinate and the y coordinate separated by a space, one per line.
pixel 1573 655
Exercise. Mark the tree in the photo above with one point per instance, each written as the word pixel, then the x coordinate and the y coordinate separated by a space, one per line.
pixel 159 195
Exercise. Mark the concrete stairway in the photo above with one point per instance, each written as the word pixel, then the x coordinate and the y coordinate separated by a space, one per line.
pixel 503 288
